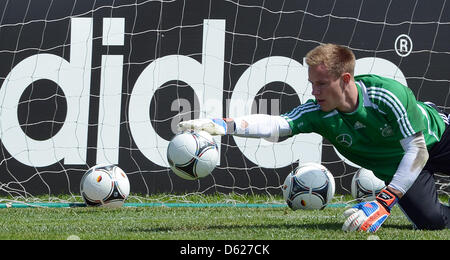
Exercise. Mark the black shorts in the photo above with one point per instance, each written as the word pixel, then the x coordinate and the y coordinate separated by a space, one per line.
pixel 420 203
pixel 439 155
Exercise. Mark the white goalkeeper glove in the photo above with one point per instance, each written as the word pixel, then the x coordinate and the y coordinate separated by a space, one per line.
pixel 216 126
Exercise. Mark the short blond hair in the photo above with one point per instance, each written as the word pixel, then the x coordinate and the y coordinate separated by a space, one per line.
pixel 337 59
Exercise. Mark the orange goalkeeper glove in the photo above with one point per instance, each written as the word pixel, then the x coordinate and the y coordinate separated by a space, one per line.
pixel 369 216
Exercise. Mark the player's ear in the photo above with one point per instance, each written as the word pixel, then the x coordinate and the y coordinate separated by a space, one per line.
pixel 346 77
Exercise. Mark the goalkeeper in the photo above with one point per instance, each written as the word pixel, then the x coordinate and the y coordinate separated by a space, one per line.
pixel 373 121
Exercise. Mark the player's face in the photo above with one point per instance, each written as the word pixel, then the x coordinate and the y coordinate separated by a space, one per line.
pixel 325 88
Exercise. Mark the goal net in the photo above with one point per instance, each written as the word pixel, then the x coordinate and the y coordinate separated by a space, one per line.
pixel 90 82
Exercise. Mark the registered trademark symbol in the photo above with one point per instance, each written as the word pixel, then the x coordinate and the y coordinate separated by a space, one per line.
pixel 403 45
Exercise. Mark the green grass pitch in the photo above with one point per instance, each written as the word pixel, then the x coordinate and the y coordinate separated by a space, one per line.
pixel 196 223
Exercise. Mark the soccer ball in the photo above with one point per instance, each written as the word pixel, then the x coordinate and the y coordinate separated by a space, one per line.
pixel 105 185
pixel 310 186
pixel 365 185
pixel 192 155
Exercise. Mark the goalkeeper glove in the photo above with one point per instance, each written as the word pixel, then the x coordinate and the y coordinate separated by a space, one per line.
pixel 369 216
pixel 216 126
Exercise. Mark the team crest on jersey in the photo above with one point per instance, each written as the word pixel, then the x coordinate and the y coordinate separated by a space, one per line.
pixel 386 131
pixel 344 140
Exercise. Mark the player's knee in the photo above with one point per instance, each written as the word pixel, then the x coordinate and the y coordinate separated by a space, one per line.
pixel 432 221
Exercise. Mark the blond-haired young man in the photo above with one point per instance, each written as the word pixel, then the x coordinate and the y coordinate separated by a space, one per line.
pixel 402 140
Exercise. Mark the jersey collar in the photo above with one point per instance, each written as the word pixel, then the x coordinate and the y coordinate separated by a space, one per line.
pixel 360 101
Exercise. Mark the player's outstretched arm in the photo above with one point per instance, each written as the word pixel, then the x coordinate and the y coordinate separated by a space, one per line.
pixel 257 126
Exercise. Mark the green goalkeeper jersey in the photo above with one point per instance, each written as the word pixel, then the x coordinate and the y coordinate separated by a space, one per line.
pixel 370 136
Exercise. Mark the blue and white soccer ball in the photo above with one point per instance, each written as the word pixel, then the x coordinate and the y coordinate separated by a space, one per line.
pixel 365 185
pixel 192 155
pixel 105 185
pixel 310 186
